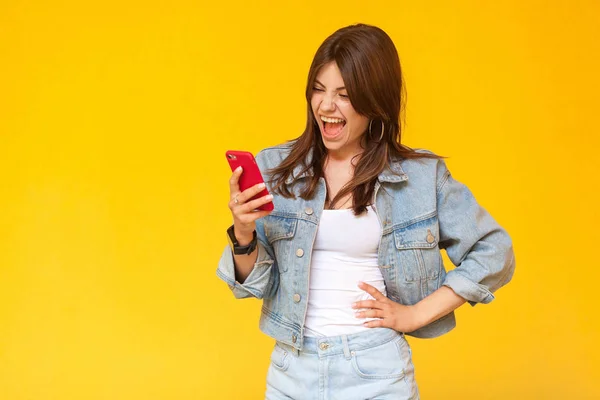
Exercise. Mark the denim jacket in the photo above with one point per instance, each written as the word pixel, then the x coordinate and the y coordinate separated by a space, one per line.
pixel 422 209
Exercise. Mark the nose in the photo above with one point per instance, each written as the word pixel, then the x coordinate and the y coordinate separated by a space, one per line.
pixel 327 104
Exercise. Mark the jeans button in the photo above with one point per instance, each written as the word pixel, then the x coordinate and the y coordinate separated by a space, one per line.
pixel 299 252
pixel 296 298
pixel 294 338
pixel 324 346
pixel 308 210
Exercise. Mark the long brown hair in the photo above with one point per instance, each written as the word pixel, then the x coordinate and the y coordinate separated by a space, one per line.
pixel 370 67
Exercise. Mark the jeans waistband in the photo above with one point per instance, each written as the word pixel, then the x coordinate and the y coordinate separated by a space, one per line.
pixel 344 344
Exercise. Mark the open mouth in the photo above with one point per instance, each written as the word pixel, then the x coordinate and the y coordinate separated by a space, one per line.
pixel 332 126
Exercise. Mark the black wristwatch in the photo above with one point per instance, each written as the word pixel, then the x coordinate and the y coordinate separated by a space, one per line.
pixel 235 246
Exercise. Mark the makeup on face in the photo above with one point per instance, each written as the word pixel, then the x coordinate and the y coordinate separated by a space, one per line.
pixel 339 123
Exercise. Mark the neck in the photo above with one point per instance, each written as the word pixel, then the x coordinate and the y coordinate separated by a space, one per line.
pixel 343 155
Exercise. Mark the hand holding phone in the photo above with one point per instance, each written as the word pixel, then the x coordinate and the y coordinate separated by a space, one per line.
pixel 250 175
pixel 249 197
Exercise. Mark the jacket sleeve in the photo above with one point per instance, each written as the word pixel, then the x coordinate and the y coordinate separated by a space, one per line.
pixel 263 280
pixel 480 249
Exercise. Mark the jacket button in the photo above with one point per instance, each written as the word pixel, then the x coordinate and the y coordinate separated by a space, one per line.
pixel 308 210
pixel 294 338
pixel 430 238
pixel 296 298
pixel 299 252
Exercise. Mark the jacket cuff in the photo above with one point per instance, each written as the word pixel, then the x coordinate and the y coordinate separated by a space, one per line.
pixel 255 283
pixel 472 292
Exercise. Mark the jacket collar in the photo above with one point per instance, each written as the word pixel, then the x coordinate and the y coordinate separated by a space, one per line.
pixel 392 173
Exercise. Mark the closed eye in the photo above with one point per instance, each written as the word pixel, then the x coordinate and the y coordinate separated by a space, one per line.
pixel 345 96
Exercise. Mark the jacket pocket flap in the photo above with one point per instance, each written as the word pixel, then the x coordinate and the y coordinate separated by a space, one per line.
pixel 420 235
pixel 277 228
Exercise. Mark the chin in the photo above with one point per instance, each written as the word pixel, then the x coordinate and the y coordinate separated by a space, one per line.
pixel 335 143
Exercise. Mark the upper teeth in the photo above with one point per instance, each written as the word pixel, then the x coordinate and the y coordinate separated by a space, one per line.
pixel 332 120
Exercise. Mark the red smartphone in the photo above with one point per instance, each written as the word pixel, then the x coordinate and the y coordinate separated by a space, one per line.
pixel 250 176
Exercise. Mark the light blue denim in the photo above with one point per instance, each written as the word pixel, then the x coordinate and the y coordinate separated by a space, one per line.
pixel 422 209
pixel 376 364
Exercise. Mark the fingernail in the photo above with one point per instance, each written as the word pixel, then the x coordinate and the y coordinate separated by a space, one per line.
pixel 354 305
pixel 269 197
pixel 261 185
pixel 239 168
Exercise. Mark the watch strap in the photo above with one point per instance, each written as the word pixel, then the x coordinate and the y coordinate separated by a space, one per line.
pixel 236 247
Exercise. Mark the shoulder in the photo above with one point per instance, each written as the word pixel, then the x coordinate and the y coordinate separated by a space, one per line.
pixel 424 168
pixel 271 157
pixel 420 163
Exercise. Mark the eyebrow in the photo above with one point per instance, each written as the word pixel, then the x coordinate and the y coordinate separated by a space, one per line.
pixel 340 88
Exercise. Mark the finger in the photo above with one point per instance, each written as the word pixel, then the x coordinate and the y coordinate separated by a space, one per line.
pixel 254 204
pixel 377 295
pixel 377 323
pixel 232 203
pixel 251 192
pixel 234 180
pixel 370 314
pixel 261 214
pixel 367 304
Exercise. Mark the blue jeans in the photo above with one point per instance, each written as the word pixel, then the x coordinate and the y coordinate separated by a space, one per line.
pixel 375 364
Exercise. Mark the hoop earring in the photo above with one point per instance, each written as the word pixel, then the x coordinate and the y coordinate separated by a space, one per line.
pixel 382 130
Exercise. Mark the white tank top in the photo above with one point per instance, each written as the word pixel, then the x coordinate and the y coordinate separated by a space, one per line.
pixel 344 253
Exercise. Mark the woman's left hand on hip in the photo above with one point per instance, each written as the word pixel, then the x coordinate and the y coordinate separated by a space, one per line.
pixel 389 313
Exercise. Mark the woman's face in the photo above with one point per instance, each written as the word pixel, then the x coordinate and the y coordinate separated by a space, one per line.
pixel 341 126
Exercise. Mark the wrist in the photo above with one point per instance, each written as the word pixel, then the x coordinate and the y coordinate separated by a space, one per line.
pixel 240 244
pixel 242 239
pixel 418 316
pixel 438 304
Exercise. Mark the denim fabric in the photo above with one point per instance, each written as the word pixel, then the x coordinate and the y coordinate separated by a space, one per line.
pixel 422 209
pixel 376 364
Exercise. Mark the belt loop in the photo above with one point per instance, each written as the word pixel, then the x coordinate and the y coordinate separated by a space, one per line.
pixel 346 347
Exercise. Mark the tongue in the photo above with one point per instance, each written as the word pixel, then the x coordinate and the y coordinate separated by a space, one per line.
pixel 333 129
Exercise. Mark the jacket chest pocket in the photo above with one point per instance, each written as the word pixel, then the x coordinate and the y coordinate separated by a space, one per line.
pixel 417 250
pixel 280 232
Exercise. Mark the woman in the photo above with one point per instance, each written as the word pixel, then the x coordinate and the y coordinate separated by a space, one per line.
pixel 352 204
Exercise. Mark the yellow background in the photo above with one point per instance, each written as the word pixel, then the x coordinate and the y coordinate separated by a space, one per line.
pixel 114 120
